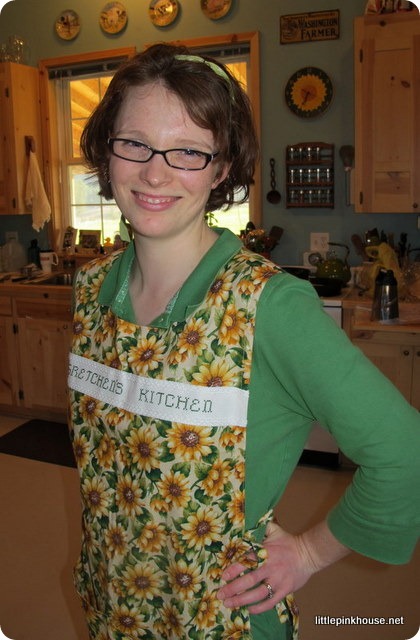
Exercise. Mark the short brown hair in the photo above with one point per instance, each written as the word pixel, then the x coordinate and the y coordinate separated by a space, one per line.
pixel 214 101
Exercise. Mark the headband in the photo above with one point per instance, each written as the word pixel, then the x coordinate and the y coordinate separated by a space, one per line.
pixel 213 66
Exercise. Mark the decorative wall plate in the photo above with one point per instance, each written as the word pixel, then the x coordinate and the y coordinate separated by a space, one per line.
pixel 67 25
pixel 163 12
pixel 113 17
pixel 309 92
pixel 215 9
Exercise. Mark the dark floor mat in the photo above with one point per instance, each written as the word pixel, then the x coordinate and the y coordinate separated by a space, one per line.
pixel 40 440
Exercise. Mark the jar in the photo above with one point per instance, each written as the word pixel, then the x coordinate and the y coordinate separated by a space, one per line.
pixel 14 255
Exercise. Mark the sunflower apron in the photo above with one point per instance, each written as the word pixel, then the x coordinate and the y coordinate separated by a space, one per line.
pixel 158 426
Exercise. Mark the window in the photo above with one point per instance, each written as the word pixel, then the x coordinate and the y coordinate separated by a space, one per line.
pixel 84 208
pixel 237 216
pixel 75 86
pixel 71 86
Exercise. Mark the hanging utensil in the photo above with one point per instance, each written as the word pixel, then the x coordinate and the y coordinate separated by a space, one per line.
pixel 347 157
pixel 273 196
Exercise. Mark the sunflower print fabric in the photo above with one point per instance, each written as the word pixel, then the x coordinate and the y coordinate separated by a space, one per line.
pixel 163 501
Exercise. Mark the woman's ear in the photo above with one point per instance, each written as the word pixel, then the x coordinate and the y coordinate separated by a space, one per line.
pixel 221 175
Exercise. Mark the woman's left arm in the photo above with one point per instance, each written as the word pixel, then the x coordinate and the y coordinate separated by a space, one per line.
pixel 317 368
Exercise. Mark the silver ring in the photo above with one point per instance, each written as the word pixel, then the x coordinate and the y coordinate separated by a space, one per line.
pixel 270 592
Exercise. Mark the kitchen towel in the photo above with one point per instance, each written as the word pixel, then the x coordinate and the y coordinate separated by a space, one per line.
pixel 35 196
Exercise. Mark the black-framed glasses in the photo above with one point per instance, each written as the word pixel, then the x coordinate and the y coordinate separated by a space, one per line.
pixel 135 151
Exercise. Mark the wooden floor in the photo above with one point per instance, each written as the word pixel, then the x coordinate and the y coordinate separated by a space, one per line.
pixel 39 542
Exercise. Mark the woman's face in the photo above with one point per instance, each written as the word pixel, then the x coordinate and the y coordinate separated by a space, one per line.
pixel 157 200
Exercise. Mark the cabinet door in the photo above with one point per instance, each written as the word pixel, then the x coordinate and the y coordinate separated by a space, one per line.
pixel 44 347
pixel 5 149
pixel 43 318
pixel 19 117
pixel 8 363
pixel 394 360
pixel 387 104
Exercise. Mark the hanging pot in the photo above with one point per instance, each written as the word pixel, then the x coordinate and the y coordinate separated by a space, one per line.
pixel 326 287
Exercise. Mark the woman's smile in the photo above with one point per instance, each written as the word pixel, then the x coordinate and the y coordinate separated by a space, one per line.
pixel 153 202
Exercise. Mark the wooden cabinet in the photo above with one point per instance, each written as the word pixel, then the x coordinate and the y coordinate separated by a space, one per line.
pixel 387 107
pixel 395 351
pixel 44 332
pixel 9 386
pixel 19 117
pixel 35 335
pixel 398 357
pixel 310 175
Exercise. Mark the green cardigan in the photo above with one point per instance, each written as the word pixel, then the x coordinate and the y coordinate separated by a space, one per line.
pixel 304 368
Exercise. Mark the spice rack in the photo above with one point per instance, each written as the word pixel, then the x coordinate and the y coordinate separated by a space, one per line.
pixel 310 175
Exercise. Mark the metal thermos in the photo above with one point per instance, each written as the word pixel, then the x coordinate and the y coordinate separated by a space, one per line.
pixel 385 300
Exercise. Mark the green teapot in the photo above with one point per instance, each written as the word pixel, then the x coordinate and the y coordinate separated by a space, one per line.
pixel 332 266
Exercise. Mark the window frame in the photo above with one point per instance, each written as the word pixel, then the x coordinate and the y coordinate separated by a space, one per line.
pixel 49 120
pixel 72 163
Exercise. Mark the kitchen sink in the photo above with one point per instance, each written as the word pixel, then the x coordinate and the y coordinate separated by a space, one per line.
pixel 55 279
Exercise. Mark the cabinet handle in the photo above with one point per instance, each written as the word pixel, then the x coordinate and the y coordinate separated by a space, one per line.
pixel 415 205
pixel 406 352
pixel 363 335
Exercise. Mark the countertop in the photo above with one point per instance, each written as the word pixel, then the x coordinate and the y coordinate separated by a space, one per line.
pixel 361 305
pixel 13 293
pixel 350 299
pixel 12 283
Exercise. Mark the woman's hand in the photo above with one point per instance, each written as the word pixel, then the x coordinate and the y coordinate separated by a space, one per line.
pixel 291 561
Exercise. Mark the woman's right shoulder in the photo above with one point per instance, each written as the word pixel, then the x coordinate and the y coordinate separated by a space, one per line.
pixel 100 265
pixel 285 285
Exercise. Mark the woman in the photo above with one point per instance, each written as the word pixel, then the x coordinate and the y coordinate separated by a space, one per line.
pixel 197 369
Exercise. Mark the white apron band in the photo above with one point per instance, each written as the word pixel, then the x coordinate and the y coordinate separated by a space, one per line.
pixel 161 399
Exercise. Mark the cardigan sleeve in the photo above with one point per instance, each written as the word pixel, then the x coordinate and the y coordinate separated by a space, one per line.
pixel 313 362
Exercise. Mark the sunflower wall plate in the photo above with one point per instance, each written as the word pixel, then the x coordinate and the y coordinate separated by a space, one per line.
pixel 163 12
pixel 215 9
pixel 309 92
pixel 67 25
pixel 113 17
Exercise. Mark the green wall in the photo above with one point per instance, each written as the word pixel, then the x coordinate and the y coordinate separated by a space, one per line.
pixel 34 21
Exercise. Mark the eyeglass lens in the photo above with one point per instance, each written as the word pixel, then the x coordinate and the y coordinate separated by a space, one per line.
pixel 178 158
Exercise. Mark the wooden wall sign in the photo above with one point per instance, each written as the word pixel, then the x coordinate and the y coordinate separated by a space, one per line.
pixel 310 27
